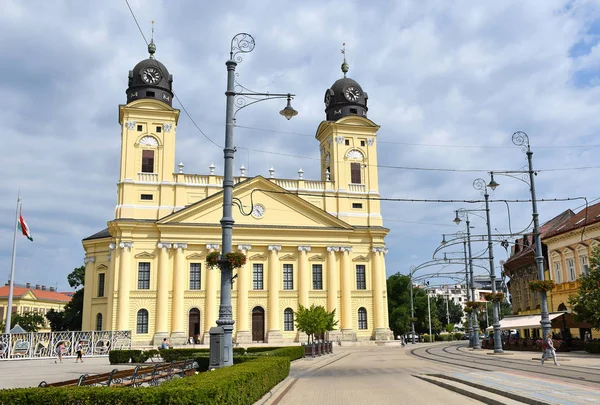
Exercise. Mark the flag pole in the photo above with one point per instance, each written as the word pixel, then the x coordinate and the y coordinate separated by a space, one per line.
pixel 11 282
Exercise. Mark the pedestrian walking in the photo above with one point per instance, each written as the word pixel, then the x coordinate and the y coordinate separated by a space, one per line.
pixel 549 350
pixel 59 351
pixel 79 350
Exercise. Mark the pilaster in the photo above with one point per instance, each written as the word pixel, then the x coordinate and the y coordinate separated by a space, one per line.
pixel 303 275
pixel 348 332
pixel 124 286
pixel 381 332
pixel 162 296
pixel 273 332
pixel 210 302
pixel 243 334
pixel 110 286
pixel 178 334
pixel 87 303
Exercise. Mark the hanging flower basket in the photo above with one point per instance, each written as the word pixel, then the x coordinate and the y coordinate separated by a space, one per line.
pixel 234 259
pixel 468 310
pixel 539 286
pixel 494 297
pixel 474 304
pixel 412 319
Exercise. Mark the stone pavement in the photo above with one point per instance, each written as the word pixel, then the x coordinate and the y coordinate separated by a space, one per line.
pixel 30 372
pixel 362 375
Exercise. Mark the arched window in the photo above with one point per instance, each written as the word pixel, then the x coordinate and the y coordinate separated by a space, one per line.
pixel 99 321
pixel 142 321
pixel 288 319
pixel 362 318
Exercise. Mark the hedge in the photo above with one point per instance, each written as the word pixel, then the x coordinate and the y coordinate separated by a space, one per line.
pixel 241 384
pixel 182 354
pixel 133 356
pixel 592 347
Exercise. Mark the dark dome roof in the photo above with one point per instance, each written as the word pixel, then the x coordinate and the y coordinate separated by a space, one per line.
pixel 150 79
pixel 346 97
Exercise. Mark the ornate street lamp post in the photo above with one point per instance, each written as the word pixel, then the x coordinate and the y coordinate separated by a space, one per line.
pixel 241 43
pixel 520 138
pixel 479 184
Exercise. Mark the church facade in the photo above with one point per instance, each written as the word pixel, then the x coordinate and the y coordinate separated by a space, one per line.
pixel 306 241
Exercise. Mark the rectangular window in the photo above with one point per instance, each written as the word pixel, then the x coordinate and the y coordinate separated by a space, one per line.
pixel 288 276
pixel 288 320
pixel 194 276
pixel 101 284
pixel 357 205
pixel 347 142
pixel 317 273
pixel 361 282
pixel 150 94
pixel 355 173
pixel 146 197
pixel 583 263
pixel 147 161
pixel 139 128
pixel 257 276
pixel 158 130
pixel 557 273
pixel 571 268
pixel 362 143
pixel 144 276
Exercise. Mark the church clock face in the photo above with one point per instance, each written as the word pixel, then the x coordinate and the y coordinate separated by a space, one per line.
pixel 328 98
pixel 150 75
pixel 258 211
pixel 352 93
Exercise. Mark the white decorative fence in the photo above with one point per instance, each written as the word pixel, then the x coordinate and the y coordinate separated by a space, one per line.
pixel 39 345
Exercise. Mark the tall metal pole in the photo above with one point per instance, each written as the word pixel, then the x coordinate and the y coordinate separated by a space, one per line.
pixel 539 258
pixel 11 283
pixel 412 310
pixel 429 310
pixel 467 285
pixel 447 310
pixel 476 344
pixel 495 303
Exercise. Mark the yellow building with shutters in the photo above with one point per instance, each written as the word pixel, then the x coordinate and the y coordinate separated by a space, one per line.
pixel 307 241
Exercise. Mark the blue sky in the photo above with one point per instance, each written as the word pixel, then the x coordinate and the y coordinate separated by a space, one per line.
pixel 449 82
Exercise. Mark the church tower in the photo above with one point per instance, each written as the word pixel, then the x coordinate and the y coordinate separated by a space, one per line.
pixel 349 152
pixel 148 124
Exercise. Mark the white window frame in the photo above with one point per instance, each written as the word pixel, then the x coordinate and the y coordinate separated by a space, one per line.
pixel 571 272
pixel 583 263
pixel 557 272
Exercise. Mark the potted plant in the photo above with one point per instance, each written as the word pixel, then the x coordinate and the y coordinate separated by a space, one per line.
pixel 539 285
pixel 233 259
pixel 494 297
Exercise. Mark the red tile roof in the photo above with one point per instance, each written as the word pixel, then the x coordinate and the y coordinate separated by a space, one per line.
pixel 583 218
pixel 39 294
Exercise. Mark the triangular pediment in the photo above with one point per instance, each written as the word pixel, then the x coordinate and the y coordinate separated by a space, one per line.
pixel 258 256
pixel 29 295
pixel 102 267
pixel 144 255
pixel 281 209
pixel 360 259
pixel 195 256
pixel 287 257
pixel 316 258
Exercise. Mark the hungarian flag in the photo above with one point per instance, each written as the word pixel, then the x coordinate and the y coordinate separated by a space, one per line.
pixel 24 228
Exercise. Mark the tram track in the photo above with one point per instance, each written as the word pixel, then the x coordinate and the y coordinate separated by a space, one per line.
pixel 441 354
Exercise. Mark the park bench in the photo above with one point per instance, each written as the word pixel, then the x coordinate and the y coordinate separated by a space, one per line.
pixel 150 375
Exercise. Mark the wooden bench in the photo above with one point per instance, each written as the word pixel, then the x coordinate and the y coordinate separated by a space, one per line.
pixel 136 377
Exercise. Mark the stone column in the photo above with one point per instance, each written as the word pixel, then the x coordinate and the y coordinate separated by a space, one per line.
pixel 178 333
pixel 273 332
pixel 243 334
pixel 303 275
pixel 210 300
pixel 162 296
pixel 107 323
pixel 332 282
pixel 381 332
pixel 124 287
pixel 89 319
pixel 348 332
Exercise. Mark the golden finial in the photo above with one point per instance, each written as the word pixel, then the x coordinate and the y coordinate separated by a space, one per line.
pixel 151 46
pixel 345 66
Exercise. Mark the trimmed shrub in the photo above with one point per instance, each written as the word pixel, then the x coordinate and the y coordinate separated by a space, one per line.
pixel 238 385
pixel 140 356
pixel 261 349
pixel 119 356
pixel 180 354
pixel 458 335
pixel 592 347
pixel 291 352
pixel 240 351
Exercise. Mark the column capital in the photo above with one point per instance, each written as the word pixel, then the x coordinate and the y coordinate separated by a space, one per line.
pixel 180 245
pixel 276 248
pixel 381 249
pixel 346 249
pixel 124 245
pixel 91 259
pixel 244 247
pixel 164 245
pixel 111 246
pixel 304 248
pixel 333 248
pixel 212 246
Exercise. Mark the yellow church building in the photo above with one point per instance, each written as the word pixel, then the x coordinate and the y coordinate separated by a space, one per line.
pixel 307 241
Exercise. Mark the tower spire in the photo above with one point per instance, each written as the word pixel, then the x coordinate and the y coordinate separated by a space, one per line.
pixel 151 45
pixel 345 66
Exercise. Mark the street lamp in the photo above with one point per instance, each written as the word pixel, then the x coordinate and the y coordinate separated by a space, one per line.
pixel 475 332
pixel 479 184
pixel 520 138
pixel 240 43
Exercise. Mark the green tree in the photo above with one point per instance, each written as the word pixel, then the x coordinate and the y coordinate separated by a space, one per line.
pixel 454 309
pixel 586 304
pixel 398 288
pixel 30 321
pixel 314 321
pixel 71 317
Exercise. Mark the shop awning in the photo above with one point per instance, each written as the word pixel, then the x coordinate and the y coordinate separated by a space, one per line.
pixel 524 321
